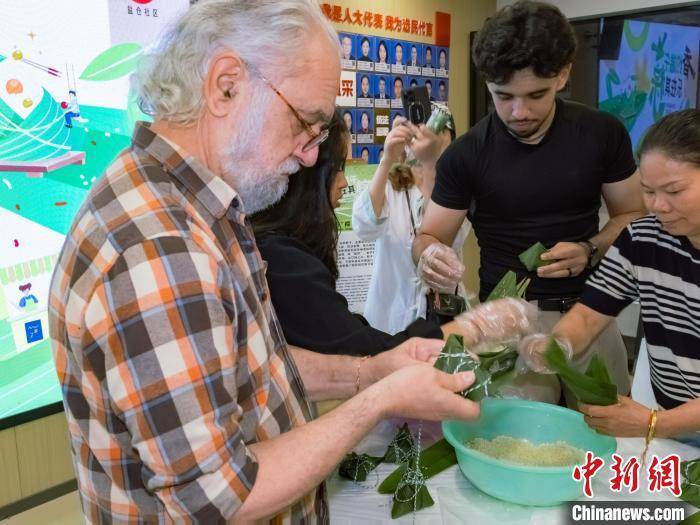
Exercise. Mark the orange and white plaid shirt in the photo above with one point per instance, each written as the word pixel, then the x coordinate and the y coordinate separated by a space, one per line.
pixel 168 350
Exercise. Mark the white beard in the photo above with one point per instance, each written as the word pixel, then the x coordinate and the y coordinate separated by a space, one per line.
pixel 258 187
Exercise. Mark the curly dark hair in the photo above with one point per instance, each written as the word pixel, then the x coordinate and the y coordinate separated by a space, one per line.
pixel 675 136
pixel 306 212
pixel 525 34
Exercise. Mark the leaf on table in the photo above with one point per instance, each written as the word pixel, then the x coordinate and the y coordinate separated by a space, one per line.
pixel 411 494
pixel 356 467
pixel 693 519
pixel 690 489
pixel 405 502
pixel 432 460
pixel 401 447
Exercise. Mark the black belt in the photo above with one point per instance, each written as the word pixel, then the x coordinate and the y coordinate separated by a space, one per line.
pixel 557 304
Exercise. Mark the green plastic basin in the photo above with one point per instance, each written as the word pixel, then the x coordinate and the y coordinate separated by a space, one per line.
pixel 538 423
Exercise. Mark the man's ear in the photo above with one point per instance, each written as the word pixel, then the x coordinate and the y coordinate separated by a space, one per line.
pixel 563 76
pixel 223 81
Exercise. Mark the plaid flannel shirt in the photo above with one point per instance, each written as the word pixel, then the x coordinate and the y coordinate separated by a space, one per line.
pixel 169 354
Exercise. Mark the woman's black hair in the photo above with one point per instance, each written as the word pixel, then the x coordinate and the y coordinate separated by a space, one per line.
pixel 306 212
pixel 676 136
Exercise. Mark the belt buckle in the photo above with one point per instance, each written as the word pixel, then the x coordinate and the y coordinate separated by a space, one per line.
pixel 566 303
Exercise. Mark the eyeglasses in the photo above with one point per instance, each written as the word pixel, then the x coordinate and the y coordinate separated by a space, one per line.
pixel 316 138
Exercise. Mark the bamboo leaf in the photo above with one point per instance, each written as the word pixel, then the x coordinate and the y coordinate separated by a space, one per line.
pixel 597 370
pixel 433 460
pixel 693 519
pixel 594 387
pixel 490 367
pixel 452 358
pixel 509 286
pixel 506 287
pixel 407 501
pixel 531 257
pixel 411 494
pixel 690 489
pixel 401 447
pixel 115 62
pixel 356 467
pixel 522 288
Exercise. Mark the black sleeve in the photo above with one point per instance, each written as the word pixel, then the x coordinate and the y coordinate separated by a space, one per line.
pixel 619 157
pixel 312 313
pixel 453 188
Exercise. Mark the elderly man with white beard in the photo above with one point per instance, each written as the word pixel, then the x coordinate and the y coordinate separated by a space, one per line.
pixel 184 402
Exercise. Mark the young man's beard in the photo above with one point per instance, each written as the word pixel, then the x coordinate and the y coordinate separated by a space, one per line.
pixel 258 187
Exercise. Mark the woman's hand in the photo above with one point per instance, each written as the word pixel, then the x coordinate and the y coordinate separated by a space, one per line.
pixel 627 418
pixel 426 145
pixel 396 141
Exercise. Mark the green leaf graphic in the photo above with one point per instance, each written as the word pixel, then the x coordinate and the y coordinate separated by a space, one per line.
pixel 635 41
pixel 113 63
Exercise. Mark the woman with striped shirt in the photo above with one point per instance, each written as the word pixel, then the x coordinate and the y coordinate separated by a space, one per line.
pixel 656 261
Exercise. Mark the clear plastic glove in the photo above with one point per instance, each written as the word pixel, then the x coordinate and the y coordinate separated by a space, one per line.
pixel 501 320
pixel 532 348
pixel 440 268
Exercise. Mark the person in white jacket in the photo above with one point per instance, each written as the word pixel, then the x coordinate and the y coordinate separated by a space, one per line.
pixel 390 211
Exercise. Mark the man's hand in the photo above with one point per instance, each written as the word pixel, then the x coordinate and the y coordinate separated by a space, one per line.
pixel 498 321
pixel 414 351
pixel 424 392
pixel 568 260
pixel 440 268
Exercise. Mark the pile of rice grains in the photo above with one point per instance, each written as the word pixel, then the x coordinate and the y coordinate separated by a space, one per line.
pixel 522 452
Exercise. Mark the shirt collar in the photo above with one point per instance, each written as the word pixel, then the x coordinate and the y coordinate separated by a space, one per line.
pixel 208 188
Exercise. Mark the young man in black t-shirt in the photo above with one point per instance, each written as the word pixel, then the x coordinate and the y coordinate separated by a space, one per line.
pixel 534 170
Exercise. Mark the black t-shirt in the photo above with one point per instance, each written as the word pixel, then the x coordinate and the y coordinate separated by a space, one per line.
pixel 312 313
pixel 518 194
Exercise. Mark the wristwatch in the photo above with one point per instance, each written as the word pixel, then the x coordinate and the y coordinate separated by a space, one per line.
pixel 592 251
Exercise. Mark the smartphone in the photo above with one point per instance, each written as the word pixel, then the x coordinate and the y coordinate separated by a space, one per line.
pixel 416 104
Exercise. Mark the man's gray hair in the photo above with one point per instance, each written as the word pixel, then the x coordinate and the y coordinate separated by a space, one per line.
pixel 269 35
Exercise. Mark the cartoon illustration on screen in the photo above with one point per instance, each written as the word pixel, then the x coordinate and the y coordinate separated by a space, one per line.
pixel 65 113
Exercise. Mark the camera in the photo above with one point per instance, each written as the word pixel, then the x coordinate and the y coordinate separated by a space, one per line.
pixel 416 104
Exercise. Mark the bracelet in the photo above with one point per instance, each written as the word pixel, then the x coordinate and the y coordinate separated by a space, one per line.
pixel 357 379
pixel 652 426
pixel 651 429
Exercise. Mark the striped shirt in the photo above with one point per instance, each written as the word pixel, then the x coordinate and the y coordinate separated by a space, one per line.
pixel 662 271
pixel 169 354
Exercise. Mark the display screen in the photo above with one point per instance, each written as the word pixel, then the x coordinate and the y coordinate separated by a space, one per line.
pixel 65 113
pixel 656 73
